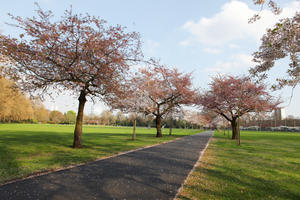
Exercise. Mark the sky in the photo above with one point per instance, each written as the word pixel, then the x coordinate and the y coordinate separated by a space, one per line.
pixel 204 37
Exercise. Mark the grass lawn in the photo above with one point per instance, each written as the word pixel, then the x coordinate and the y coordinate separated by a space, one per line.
pixel 29 148
pixel 265 166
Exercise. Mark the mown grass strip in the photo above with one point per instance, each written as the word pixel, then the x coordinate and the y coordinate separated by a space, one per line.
pixel 265 166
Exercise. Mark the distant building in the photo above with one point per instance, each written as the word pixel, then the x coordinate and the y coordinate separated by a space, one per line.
pixel 279 114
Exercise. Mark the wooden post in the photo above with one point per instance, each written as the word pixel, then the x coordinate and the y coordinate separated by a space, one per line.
pixel 134 129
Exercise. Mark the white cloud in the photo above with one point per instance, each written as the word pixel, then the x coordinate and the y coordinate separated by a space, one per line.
pixel 231 24
pixel 212 50
pixel 185 42
pixel 236 63
pixel 233 46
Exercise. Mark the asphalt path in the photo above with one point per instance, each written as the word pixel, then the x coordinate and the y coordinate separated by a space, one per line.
pixel 151 173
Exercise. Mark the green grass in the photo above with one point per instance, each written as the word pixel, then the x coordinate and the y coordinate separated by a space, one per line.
pixel 265 166
pixel 30 148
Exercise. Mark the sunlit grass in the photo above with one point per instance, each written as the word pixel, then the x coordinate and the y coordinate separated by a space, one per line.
pixel 30 148
pixel 265 166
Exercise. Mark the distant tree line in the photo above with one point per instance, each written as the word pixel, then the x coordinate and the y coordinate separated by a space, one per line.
pixel 16 107
pixel 120 119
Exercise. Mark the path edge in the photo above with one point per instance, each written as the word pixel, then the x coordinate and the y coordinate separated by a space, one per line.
pixel 195 166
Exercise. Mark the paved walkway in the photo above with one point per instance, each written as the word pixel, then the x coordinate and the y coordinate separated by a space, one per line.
pixel 152 173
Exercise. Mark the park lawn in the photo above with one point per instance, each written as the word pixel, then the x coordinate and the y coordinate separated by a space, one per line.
pixel 27 149
pixel 265 166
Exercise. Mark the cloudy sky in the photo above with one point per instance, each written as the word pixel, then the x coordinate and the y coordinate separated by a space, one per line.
pixel 204 37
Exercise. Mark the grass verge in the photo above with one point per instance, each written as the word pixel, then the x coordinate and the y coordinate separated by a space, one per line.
pixel 26 149
pixel 265 166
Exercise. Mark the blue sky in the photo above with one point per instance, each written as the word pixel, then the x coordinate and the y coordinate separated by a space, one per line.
pixel 203 37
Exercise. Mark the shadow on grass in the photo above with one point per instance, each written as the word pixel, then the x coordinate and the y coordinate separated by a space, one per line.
pixel 8 163
pixel 37 151
pixel 253 187
pixel 65 139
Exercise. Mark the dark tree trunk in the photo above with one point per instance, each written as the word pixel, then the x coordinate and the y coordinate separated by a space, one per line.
pixel 158 126
pixel 134 128
pixel 170 131
pixel 170 127
pixel 79 120
pixel 234 127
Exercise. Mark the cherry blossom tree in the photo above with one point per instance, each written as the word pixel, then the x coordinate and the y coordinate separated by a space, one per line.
pixel 132 102
pixel 194 118
pixel 233 96
pixel 171 116
pixel 270 3
pixel 162 90
pixel 207 117
pixel 2 61
pixel 279 42
pixel 5 71
pixel 79 53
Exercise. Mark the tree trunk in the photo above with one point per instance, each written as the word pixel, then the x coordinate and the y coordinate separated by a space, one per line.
pixel 170 130
pixel 78 127
pixel 134 128
pixel 239 132
pixel 170 126
pixel 234 129
pixel 158 126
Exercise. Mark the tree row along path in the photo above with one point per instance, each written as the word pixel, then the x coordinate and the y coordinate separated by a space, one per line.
pixel 151 173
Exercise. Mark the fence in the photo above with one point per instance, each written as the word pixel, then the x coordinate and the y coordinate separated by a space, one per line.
pixel 272 125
